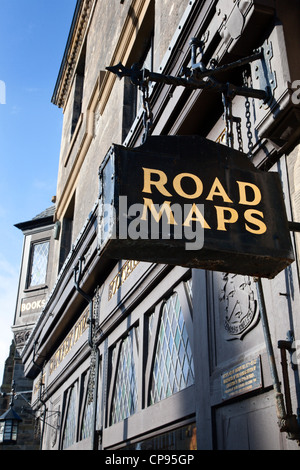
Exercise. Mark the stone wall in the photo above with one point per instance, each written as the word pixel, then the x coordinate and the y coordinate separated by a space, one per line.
pixel 14 370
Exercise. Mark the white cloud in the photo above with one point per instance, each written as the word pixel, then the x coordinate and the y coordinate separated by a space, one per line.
pixel 15 110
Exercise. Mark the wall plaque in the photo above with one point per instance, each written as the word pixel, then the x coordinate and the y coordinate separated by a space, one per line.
pixel 241 379
pixel 188 201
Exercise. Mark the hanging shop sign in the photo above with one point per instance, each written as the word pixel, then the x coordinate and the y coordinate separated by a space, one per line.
pixel 188 201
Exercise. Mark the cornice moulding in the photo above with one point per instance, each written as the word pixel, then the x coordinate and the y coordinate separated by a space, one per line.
pixel 75 40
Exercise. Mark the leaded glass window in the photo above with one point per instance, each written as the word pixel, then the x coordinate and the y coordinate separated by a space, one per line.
pixel 70 423
pixel 173 367
pixel 124 402
pixel 87 419
pixel 87 422
pixel 39 262
pixel 8 430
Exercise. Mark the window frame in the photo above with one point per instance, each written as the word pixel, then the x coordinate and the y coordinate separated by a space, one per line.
pixel 133 96
pixel 182 292
pixel 33 244
pixel 78 84
pixel 133 332
pixel 179 406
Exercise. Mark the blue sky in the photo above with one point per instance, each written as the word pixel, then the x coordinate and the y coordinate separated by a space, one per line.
pixel 33 35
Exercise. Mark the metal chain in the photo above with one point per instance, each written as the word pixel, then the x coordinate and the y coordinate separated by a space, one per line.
pixel 148 115
pixel 248 118
pixel 239 133
pixel 227 103
pixel 92 376
pixel 229 119
pixel 91 381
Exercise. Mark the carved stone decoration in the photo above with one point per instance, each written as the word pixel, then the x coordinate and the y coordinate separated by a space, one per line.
pixel 238 305
pixel 235 23
pixel 21 338
pixel 68 69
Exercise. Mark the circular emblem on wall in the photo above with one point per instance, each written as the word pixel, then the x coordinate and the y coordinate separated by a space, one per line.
pixel 240 307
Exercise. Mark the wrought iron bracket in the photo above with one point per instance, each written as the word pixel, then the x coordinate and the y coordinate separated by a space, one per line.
pixel 197 76
pixel 263 72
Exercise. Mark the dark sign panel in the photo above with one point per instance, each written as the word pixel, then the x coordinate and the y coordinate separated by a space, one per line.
pixel 185 200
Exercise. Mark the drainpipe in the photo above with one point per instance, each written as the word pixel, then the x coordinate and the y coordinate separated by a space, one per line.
pixel 91 321
pixel 286 420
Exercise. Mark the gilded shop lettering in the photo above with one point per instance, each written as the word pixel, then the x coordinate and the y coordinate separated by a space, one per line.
pixel 69 342
pixel 187 201
pixel 249 195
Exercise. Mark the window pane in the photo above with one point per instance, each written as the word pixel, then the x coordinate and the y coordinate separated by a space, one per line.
pixel 87 423
pixel 39 263
pixel 8 430
pixel 14 432
pixel 1 430
pixel 70 427
pixel 125 395
pixel 173 368
pixel 183 438
pixel 88 415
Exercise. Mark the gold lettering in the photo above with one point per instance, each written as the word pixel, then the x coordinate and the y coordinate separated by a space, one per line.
pixel 198 217
pixel 262 228
pixel 69 342
pixel 218 190
pixel 160 183
pixel 123 274
pixel 179 190
pixel 221 217
pixel 256 193
pixel 166 207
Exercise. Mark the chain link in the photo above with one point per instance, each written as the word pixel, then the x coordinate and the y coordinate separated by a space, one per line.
pixel 248 118
pixel 93 357
pixel 229 119
pixel 239 133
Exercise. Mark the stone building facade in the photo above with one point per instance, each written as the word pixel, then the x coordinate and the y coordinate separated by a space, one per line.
pixel 34 282
pixel 135 354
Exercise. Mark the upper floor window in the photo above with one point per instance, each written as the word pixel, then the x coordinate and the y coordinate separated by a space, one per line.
pixel 78 90
pixel 146 62
pixel 67 233
pixel 133 96
pixel 38 264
